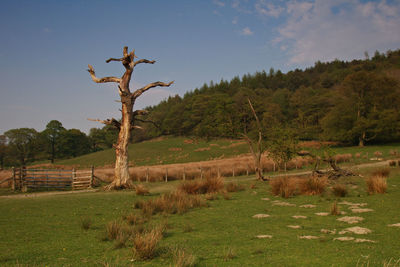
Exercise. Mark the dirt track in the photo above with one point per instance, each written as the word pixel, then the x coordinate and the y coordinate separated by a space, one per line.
pixel 43 194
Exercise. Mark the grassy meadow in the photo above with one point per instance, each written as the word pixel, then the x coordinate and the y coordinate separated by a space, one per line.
pixel 49 230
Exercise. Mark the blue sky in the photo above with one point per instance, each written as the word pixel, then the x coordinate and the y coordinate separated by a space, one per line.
pixel 46 45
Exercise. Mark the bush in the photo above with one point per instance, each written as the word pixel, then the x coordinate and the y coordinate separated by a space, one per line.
pixel 283 186
pixel 383 172
pixel 339 190
pixel 392 163
pixel 376 184
pixel 378 154
pixel 145 244
pixel 313 185
pixel 209 185
pixel 234 187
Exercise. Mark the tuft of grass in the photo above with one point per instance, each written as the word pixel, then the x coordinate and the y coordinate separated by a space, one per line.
pixel 229 254
pixel 226 195
pixel 113 229
pixel 335 209
pixel 86 223
pixel 392 163
pixel 183 258
pixel 339 190
pixel 209 185
pixel 283 186
pixel 145 244
pixel 134 219
pixel 141 190
pixel 383 172
pixel 378 154
pixel 234 187
pixel 121 239
pixel 376 184
pixel 313 185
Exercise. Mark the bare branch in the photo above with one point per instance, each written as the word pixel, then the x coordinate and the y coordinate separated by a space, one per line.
pixel 111 121
pixel 140 91
pixel 114 59
pixel 148 121
pixel 143 61
pixel 102 80
pixel 125 51
pixel 137 127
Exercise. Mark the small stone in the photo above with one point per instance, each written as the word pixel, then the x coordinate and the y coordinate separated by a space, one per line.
pixel 394 225
pixel 299 217
pixel 264 236
pixel 358 210
pixel 322 213
pixel 327 231
pixel 265 198
pixel 259 216
pixel 344 238
pixel 350 220
pixel 282 203
pixel 360 240
pixel 308 206
pixel 294 226
pixel 356 230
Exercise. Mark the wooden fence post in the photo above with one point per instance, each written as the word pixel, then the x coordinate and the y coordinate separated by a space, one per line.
pixel 13 180
pixel 147 175
pixel 73 178
pixel 92 177
pixel 218 172
pixel 201 173
pixel 274 166
pixel 184 173
pixel 166 174
pixel 233 171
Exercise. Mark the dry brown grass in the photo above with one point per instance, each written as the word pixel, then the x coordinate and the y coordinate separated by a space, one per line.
pixel 335 209
pixel 343 158
pixel 313 185
pixel 393 152
pixel 392 163
pixel 376 184
pixel 113 229
pixel 183 258
pixel 284 186
pixel 209 185
pixel 384 172
pixel 141 190
pixel 145 244
pixel 378 154
pixel 234 187
pixel 339 190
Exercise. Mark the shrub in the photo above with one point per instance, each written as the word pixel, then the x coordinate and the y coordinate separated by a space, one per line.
pixel 209 185
pixel 357 155
pixel 234 187
pixel 339 190
pixel 343 157
pixel 313 185
pixel 86 223
pixel 335 209
pixel 145 244
pixel 141 190
pixel 378 154
pixel 376 184
pixel 384 172
pixel 393 152
pixel 392 163
pixel 183 258
pixel 283 186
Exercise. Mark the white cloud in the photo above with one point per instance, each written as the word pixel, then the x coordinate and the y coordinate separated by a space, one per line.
pixel 246 31
pixel 266 8
pixel 219 3
pixel 325 30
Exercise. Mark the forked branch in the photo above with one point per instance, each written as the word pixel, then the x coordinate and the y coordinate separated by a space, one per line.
pixel 102 80
pixel 111 121
pixel 140 91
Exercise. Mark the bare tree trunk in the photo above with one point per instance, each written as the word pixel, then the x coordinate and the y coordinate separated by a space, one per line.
pixel 121 175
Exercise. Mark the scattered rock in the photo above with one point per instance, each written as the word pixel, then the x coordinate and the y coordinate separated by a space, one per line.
pixel 327 231
pixel 294 226
pixel 308 237
pixel 259 216
pixel 322 213
pixel 299 217
pixel 264 236
pixel 344 238
pixel 358 210
pixel 394 225
pixel 265 198
pixel 350 220
pixel 342 212
pixel 308 206
pixel 282 203
pixel 353 204
pixel 254 193
pixel 360 240
pixel 356 230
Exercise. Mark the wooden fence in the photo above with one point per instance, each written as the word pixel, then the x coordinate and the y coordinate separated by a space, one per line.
pixel 22 179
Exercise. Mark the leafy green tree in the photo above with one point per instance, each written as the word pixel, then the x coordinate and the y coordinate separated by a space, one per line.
pixel 52 135
pixel 22 144
pixel 282 145
pixel 74 143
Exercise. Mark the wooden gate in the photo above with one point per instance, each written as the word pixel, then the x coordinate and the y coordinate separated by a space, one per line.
pixel 56 179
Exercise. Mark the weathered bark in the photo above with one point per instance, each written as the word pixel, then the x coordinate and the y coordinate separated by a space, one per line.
pixel 257 154
pixel 127 99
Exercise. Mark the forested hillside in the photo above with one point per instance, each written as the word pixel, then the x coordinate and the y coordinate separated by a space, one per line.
pixel 352 102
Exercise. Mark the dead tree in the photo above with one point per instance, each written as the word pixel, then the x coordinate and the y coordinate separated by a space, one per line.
pixel 127 98
pixel 256 149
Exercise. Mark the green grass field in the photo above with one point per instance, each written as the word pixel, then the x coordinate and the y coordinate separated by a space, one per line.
pixel 170 150
pixel 46 231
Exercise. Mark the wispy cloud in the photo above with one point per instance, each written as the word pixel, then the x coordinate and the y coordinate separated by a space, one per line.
pixel 266 8
pixel 219 3
pixel 325 30
pixel 246 31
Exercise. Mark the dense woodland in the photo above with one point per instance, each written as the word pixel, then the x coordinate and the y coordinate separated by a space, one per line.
pixel 354 103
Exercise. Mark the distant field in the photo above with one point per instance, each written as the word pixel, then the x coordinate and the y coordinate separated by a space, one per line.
pixel 170 150
pixel 46 231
